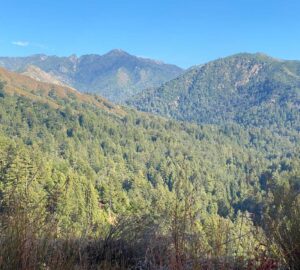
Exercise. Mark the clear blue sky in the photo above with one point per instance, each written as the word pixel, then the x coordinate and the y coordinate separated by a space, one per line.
pixel 185 32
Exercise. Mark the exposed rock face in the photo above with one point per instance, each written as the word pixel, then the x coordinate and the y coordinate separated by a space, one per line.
pixel 42 76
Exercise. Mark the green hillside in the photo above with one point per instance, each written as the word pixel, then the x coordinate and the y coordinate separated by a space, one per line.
pixel 90 185
pixel 248 89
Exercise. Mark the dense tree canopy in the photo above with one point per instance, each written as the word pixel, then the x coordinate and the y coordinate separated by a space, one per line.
pixel 248 89
pixel 76 170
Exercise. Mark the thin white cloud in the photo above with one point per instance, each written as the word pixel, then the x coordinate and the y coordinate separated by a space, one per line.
pixel 31 44
pixel 21 43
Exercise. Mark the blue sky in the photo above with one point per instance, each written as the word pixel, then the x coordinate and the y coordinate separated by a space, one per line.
pixel 181 32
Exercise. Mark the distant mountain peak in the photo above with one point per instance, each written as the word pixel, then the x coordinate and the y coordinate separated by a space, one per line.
pixel 117 52
pixel 115 75
pixel 38 55
pixel 73 57
pixel 260 56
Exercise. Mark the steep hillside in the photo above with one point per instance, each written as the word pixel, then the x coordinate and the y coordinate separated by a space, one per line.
pixel 115 75
pixel 249 89
pixel 39 75
pixel 125 146
pixel 54 95
pixel 83 181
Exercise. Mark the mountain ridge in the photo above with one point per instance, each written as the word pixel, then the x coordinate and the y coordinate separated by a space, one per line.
pixel 243 88
pixel 114 75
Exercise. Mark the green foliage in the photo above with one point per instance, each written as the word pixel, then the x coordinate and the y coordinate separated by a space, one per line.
pixel 251 90
pixel 80 172
pixel 282 215
pixel 2 93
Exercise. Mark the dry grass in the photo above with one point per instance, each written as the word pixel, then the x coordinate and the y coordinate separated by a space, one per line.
pixel 39 91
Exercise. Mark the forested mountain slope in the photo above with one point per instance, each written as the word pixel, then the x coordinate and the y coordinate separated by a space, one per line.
pixel 75 167
pixel 248 89
pixel 115 75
